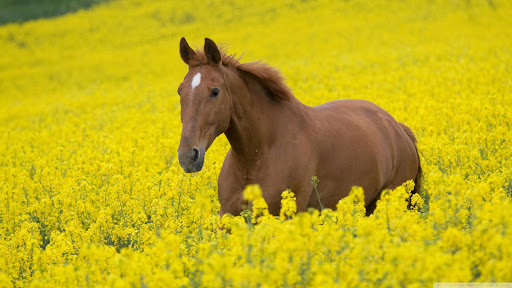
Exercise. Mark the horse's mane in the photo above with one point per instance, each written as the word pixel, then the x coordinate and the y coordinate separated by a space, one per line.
pixel 270 78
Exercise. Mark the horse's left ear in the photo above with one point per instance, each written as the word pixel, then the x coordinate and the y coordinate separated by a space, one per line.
pixel 212 51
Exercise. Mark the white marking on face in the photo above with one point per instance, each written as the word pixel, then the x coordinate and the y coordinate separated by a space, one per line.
pixel 196 80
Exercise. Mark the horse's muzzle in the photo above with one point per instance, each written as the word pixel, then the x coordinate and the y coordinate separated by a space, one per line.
pixel 191 160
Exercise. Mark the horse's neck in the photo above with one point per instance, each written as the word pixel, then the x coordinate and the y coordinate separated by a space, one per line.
pixel 255 121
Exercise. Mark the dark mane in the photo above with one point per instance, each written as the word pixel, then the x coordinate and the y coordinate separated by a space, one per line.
pixel 270 78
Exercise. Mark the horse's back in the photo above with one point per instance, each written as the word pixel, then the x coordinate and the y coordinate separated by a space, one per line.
pixel 360 144
pixel 361 109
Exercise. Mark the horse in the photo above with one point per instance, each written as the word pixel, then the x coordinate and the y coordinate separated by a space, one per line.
pixel 280 143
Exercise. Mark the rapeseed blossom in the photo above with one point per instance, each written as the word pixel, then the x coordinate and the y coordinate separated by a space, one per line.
pixel 92 194
pixel 288 205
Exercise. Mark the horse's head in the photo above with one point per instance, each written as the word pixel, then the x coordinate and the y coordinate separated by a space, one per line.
pixel 205 103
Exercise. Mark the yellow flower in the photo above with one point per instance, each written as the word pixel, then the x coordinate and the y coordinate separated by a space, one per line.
pixel 252 192
pixel 288 205
pixel 259 210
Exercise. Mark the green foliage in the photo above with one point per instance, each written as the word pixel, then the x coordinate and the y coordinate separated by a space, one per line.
pixel 25 10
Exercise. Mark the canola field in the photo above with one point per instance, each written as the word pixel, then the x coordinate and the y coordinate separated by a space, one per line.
pixel 92 195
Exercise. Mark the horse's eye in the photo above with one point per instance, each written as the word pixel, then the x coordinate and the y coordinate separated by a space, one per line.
pixel 179 91
pixel 215 92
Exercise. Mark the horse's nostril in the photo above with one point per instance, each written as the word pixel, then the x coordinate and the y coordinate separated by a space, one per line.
pixel 195 154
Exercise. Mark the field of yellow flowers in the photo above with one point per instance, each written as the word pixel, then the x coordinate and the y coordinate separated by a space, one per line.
pixel 91 192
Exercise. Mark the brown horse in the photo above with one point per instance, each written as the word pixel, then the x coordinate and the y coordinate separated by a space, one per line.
pixel 280 143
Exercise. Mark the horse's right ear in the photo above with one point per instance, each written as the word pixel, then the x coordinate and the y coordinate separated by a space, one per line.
pixel 186 52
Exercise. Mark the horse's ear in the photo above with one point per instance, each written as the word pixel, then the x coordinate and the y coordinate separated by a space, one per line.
pixel 186 52
pixel 212 51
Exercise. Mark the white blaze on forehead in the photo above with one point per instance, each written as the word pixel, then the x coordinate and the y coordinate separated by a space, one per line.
pixel 196 80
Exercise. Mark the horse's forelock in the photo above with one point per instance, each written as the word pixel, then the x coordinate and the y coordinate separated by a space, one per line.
pixel 201 59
